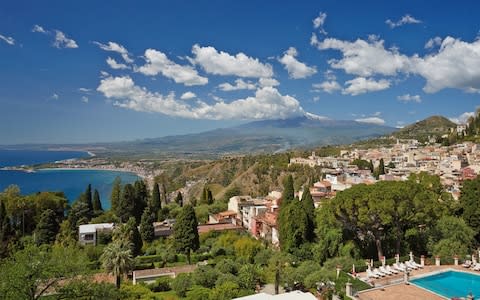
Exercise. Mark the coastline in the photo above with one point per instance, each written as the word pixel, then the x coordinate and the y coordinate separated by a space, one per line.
pixel 93 169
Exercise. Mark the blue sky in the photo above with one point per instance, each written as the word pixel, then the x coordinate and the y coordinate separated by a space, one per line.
pixel 89 71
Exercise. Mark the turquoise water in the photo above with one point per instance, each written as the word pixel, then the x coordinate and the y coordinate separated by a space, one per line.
pixel 9 158
pixel 451 284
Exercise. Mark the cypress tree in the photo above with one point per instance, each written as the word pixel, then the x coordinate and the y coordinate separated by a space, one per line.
pixel 179 198
pixel 141 199
pixel 209 197
pixel 155 202
pixel 203 196
pixel 47 228
pixel 288 191
pixel 97 204
pixel 293 226
pixel 381 167
pixel 146 225
pixel 5 230
pixel 126 205
pixel 186 231
pixel 116 194
pixel 88 197
pixel 135 238
pixel 370 166
pixel 309 208
pixel 164 194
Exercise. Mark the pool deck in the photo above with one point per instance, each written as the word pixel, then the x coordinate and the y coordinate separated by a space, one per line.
pixel 392 287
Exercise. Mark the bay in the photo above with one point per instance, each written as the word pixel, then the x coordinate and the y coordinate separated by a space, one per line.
pixel 10 158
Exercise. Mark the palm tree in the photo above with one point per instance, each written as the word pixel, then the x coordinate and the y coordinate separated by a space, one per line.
pixel 117 259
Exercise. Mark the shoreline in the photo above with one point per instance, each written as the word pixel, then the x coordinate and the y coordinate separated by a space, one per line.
pixel 92 169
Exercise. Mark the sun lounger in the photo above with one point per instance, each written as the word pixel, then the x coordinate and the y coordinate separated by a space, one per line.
pixel 476 267
pixel 370 274
pixel 384 271
pixel 391 270
pixel 410 265
pixel 467 264
pixel 415 264
pixel 377 271
pixel 398 267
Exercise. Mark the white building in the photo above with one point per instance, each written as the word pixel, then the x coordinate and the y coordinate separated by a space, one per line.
pixel 87 234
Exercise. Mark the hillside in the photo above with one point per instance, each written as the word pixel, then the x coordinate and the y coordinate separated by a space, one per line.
pixel 432 126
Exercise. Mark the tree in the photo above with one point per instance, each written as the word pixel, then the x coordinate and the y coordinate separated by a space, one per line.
pixel 35 270
pixel 155 201
pixel 451 236
pixel 5 229
pixel 186 231
pixel 146 225
pixel 116 195
pixel 88 198
pixel 381 167
pixel 179 198
pixel 288 192
pixel 470 204
pixel 140 199
pixel 309 208
pixel 78 214
pixel 203 196
pixel 293 226
pixel 209 197
pixel 127 203
pixel 117 260
pixel 97 204
pixel 370 166
pixel 47 228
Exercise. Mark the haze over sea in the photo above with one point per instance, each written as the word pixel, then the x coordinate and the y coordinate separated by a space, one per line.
pixel 71 182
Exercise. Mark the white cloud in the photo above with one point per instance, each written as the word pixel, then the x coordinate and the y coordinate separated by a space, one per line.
pixel 296 69
pixel 38 28
pixel 188 95
pixel 62 41
pixel 7 39
pixel 239 85
pixel 158 63
pixel 377 113
pixel 406 19
pixel 104 74
pixel 365 58
pixel 84 99
pixel 263 82
pixel 327 86
pixel 55 96
pixel 362 85
pixel 371 120
pixel 115 65
pixel 316 98
pixel 463 118
pixel 433 42
pixel 410 98
pixel 115 47
pixel 319 21
pixel 84 90
pixel 222 63
pixel 267 103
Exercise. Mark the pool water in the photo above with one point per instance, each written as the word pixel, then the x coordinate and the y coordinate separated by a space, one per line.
pixel 451 284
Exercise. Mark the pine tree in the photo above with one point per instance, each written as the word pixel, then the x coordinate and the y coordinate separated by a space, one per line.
pixel 47 228
pixel 97 204
pixel 146 225
pixel 186 231
pixel 155 201
pixel 293 226
pixel 179 199
pixel 126 205
pixel 116 195
pixel 288 191
pixel 309 208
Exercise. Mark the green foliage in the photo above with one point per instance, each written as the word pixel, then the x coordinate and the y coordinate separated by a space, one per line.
pixel 470 204
pixel 247 248
pixel 179 199
pixel 361 164
pixel 451 236
pixel 329 233
pixel 198 293
pixel 226 291
pixel 47 228
pixel 293 226
pixel 116 195
pixel 87 289
pixel 140 199
pixel 97 204
pixel 127 203
pixel 288 194
pixel 146 225
pixel 205 276
pixel 227 266
pixel 155 202
pixel 309 208
pixel 162 284
pixel 34 270
pixel 181 284
pixel 117 259
pixel 186 231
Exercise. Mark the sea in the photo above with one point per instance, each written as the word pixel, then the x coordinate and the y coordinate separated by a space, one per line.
pixel 71 182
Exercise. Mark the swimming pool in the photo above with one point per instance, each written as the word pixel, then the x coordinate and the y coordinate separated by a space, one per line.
pixel 451 284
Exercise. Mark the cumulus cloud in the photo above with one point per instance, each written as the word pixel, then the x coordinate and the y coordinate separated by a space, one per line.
pixel 268 82
pixel 115 65
pixel 38 28
pixel 84 99
pixel 55 96
pixel 188 95
pixel 7 39
pixel 223 63
pixel 240 84
pixel 371 120
pixel 158 63
pixel 456 64
pixel 406 19
pixel 295 68
pixel 115 47
pixel 319 21
pixel 410 98
pixel 463 118
pixel 84 90
pixel 433 42
pixel 362 85
pixel 62 41
pixel 267 103
pixel 327 86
